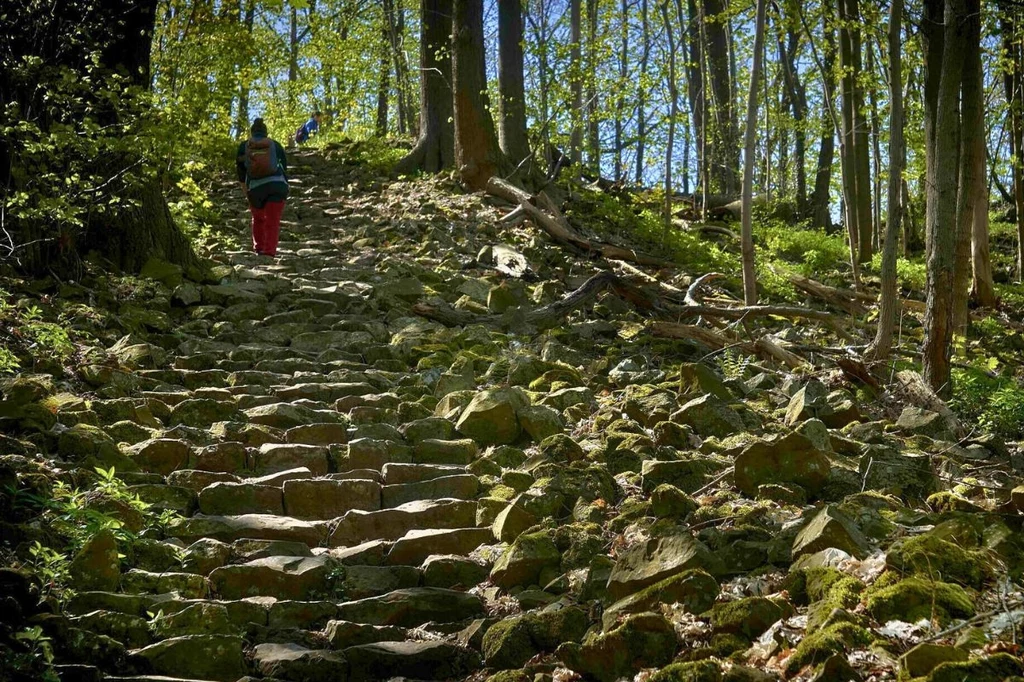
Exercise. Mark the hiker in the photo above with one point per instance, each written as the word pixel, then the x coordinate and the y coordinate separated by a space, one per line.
pixel 310 127
pixel 262 169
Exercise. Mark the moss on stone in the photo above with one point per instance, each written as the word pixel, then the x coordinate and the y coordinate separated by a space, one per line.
pixel 745 617
pixel 695 671
pixel 995 668
pixel 818 646
pixel 933 557
pixel 915 598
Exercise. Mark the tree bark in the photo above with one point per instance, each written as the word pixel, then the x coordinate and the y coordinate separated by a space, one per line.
pixel 876 159
pixel 942 200
pixel 1012 85
pixel 750 142
pixel 477 154
pixel 725 144
pixel 889 301
pixel 821 215
pixel 673 94
pixel 797 95
pixel 620 99
pixel 576 81
pixel 435 149
pixel 695 86
pixel 857 174
pixel 593 125
pixel 641 93
pixel 512 110
pixel 972 157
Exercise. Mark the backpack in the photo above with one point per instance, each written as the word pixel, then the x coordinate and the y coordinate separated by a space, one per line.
pixel 260 158
pixel 301 135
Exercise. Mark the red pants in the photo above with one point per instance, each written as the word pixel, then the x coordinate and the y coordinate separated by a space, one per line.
pixel 266 227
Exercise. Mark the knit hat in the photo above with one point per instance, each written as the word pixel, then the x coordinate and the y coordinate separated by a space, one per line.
pixel 259 128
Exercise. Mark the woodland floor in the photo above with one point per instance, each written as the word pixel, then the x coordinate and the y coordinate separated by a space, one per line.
pixel 286 472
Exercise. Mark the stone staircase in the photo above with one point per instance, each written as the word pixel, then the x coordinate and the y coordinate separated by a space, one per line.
pixel 316 538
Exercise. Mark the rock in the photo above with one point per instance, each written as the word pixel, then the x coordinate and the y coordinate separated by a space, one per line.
pixel 91 447
pixel 413 607
pixel 201 618
pixel 997 667
pixel 328 499
pixel 256 526
pixel 831 528
pixel 697 671
pixel 450 571
pixel 540 421
pixel 317 434
pixel 790 459
pixel 914 598
pixel 343 633
pixel 416 545
pixel 281 577
pixel 428 660
pixel 277 457
pixel 694 589
pixel 745 617
pixel 288 415
pixel 930 556
pixel 204 657
pixel 656 560
pixel 97 566
pixel 451 452
pixel 923 658
pixel 203 412
pixel 459 486
pixel 688 475
pixel 513 641
pixel 921 422
pixel 1017 498
pixel 899 473
pixel 709 416
pixel 240 498
pixel 203 556
pixel 295 663
pixel 523 562
pixel 491 416
pixel 512 521
pixel 645 640
pixel 169 274
pixel 668 501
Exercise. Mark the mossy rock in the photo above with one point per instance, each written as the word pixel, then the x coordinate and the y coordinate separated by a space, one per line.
pixel 523 562
pixel 560 448
pixel 694 671
pixel 694 589
pixel 932 557
pixel 644 640
pixel 925 657
pixel 668 501
pixel 824 589
pixel 745 617
pixel 915 598
pixel 512 642
pixel 995 668
pixel 819 646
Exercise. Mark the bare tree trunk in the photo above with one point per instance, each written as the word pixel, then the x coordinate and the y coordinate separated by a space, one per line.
pixel 942 200
pixel 242 122
pixel 876 156
pixel 855 137
pixel 293 53
pixel 540 32
pixel 641 94
pixel 695 83
pixel 1012 83
pixel 477 154
pixel 797 95
pixel 821 215
pixel 593 128
pixel 435 148
pixel 383 86
pixel 512 110
pixel 673 112
pixel 725 147
pixel 972 156
pixel 576 80
pixel 750 141
pixel 889 300
pixel 394 18
pixel 620 99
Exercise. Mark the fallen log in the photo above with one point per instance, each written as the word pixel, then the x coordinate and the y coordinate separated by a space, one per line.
pixel 763 347
pixel 544 317
pixel 552 222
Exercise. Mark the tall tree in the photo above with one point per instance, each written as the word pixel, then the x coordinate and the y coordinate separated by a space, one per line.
pixel 620 96
pixel 477 153
pixel 750 143
pixel 512 105
pixel 641 93
pixel 889 301
pixel 592 109
pixel 1012 77
pixel 820 201
pixel 855 147
pixel 941 213
pixel 796 94
pixel 725 145
pixel 435 148
pixel 673 112
pixel 576 80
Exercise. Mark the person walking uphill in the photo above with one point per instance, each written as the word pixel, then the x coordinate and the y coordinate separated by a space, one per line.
pixel 262 169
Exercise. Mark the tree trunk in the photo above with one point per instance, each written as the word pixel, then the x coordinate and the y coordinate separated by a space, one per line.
pixel 242 122
pixel 821 215
pixel 673 112
pixel 695 85
pixel 942 199
pixel 593 128
pixel 576 80
pixel 293 52
pixel 512 110
pixel 889 300
pixel 725 143
pixel 857 175
pixel 876 157
pixel 620 99
pixel 383 86
pixel 750 141
pixel 1012 84
pixel 435 148
pixel 641 94
pixel 797 95
pixel 477 154
pixel 972 156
